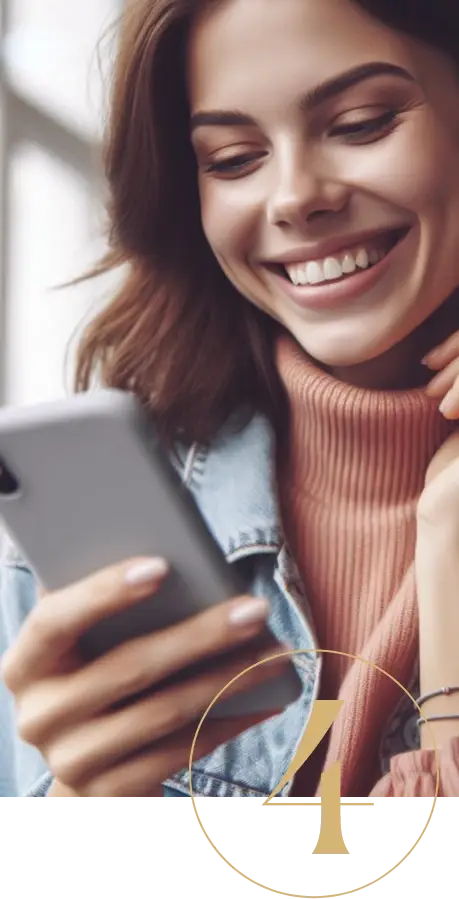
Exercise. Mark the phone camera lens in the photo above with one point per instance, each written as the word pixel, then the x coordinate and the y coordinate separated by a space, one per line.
pixel 8 483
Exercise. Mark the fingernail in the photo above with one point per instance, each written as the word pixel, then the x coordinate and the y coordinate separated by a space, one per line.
pixel 249 612
pixel 143 572
pixel 447 405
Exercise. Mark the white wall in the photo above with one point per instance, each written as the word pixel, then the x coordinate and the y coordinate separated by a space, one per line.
pixel 55 210
pixel 51 54
pixel 53 237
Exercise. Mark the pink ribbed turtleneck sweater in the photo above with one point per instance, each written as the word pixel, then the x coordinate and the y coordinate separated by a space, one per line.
pixel 350 474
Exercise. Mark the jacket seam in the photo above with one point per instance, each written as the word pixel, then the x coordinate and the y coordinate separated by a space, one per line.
pixel 16 566
pixel 185 783
pixel 194 463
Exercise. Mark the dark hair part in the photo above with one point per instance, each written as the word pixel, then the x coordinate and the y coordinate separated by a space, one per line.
pixel 178 333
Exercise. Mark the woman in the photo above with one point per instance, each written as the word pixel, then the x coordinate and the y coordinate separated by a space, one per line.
pixel 285 190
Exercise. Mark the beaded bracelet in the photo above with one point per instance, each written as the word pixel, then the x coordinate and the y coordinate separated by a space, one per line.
pixel 443 691
pixel 437 718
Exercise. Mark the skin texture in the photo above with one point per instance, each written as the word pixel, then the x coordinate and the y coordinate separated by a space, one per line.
pixel 304 182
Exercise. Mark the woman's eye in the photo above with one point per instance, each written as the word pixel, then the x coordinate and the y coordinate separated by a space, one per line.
pixel 366 130
pixel 234 167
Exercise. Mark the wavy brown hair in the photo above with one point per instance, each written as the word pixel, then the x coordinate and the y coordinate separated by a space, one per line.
pixel 178 333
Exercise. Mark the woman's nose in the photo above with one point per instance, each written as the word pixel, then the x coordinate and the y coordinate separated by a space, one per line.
pixel 301 194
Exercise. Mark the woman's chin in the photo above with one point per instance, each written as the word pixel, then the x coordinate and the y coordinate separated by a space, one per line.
pixel 341 353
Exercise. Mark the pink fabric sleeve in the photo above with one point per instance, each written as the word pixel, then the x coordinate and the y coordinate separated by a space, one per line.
pixel 415 773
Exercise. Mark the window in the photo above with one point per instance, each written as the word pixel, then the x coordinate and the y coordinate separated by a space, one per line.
pixel 51 108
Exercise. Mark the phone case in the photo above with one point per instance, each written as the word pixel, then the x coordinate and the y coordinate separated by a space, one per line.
pixel 97 487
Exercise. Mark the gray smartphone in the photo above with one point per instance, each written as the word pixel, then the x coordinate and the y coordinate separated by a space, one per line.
pixel 84 483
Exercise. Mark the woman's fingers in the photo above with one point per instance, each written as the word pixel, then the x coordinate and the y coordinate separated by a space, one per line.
pixel 444 353
pixel 138 665
pixel 78 714
pixel 100 744
pixel 449 406
pixel 444 381
pixel 141 775
pixel 445 386
pixel 57 622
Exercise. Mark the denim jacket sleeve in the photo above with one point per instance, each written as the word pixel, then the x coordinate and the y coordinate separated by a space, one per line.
pixel 23 771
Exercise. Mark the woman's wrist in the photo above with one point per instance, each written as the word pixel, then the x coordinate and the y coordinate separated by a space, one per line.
pixel 437 577
pixel 439 667
pixel 435 733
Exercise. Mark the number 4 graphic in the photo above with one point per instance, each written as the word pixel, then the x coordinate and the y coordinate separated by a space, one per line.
pixel 331 841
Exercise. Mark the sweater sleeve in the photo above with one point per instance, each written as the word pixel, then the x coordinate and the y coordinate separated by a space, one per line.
pixel 415 773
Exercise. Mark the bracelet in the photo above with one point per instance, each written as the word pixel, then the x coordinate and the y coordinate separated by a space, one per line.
pixel 443 691
pixel 437 718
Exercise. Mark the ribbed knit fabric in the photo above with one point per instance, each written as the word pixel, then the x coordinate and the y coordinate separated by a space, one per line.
pixel 350 473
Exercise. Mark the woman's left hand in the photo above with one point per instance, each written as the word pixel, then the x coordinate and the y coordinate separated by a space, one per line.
pixel 444 386
pixel 437 586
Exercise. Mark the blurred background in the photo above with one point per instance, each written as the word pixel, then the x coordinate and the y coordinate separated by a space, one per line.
pixel 55 66
pixel 55 59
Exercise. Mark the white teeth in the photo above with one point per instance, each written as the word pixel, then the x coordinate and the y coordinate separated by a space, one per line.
pixel 348 264
pixel 333 268
pixel 301 275
pixel 362 259
pixel 314 273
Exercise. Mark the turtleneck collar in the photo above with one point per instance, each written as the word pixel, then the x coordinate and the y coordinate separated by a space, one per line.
pixel 358 444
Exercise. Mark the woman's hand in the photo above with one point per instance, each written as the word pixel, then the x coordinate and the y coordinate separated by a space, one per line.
pixel 108 727
pixel 444 359
pixel 437 582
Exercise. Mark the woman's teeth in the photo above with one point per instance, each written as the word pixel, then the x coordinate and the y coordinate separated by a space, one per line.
pixel 333 267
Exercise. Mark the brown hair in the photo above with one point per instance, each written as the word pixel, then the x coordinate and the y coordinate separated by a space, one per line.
pixel 177 332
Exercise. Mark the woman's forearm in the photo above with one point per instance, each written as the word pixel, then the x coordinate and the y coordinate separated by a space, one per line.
pixel 438 600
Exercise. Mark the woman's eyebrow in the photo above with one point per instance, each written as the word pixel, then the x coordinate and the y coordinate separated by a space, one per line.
pixel 313 98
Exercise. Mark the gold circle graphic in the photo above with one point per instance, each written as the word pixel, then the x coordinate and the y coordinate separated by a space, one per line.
pixel 217 697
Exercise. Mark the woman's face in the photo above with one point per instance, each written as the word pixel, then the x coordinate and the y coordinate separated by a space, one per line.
pixel 328 154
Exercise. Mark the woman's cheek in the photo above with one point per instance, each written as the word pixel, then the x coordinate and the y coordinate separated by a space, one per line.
pixel 427 179
pixel 228 226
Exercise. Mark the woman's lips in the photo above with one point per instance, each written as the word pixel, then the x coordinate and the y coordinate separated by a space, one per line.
pixel 333 294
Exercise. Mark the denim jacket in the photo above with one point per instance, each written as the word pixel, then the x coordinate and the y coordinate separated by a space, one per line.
pixel 233 483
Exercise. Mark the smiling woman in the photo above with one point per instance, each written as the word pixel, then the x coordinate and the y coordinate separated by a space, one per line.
pixel 352 253
pixel 284 189
pixel 332 164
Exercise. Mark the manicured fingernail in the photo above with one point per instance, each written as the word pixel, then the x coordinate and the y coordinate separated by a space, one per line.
pixel 448 404
pixel 144 572
pixel 432 357
pixel 249 612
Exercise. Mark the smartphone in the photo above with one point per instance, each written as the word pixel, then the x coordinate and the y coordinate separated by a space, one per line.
pixel 84 483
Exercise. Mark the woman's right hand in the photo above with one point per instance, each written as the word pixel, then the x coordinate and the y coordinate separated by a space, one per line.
pixel 78 714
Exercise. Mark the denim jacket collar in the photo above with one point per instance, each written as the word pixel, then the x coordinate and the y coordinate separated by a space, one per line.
pixel 234 485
